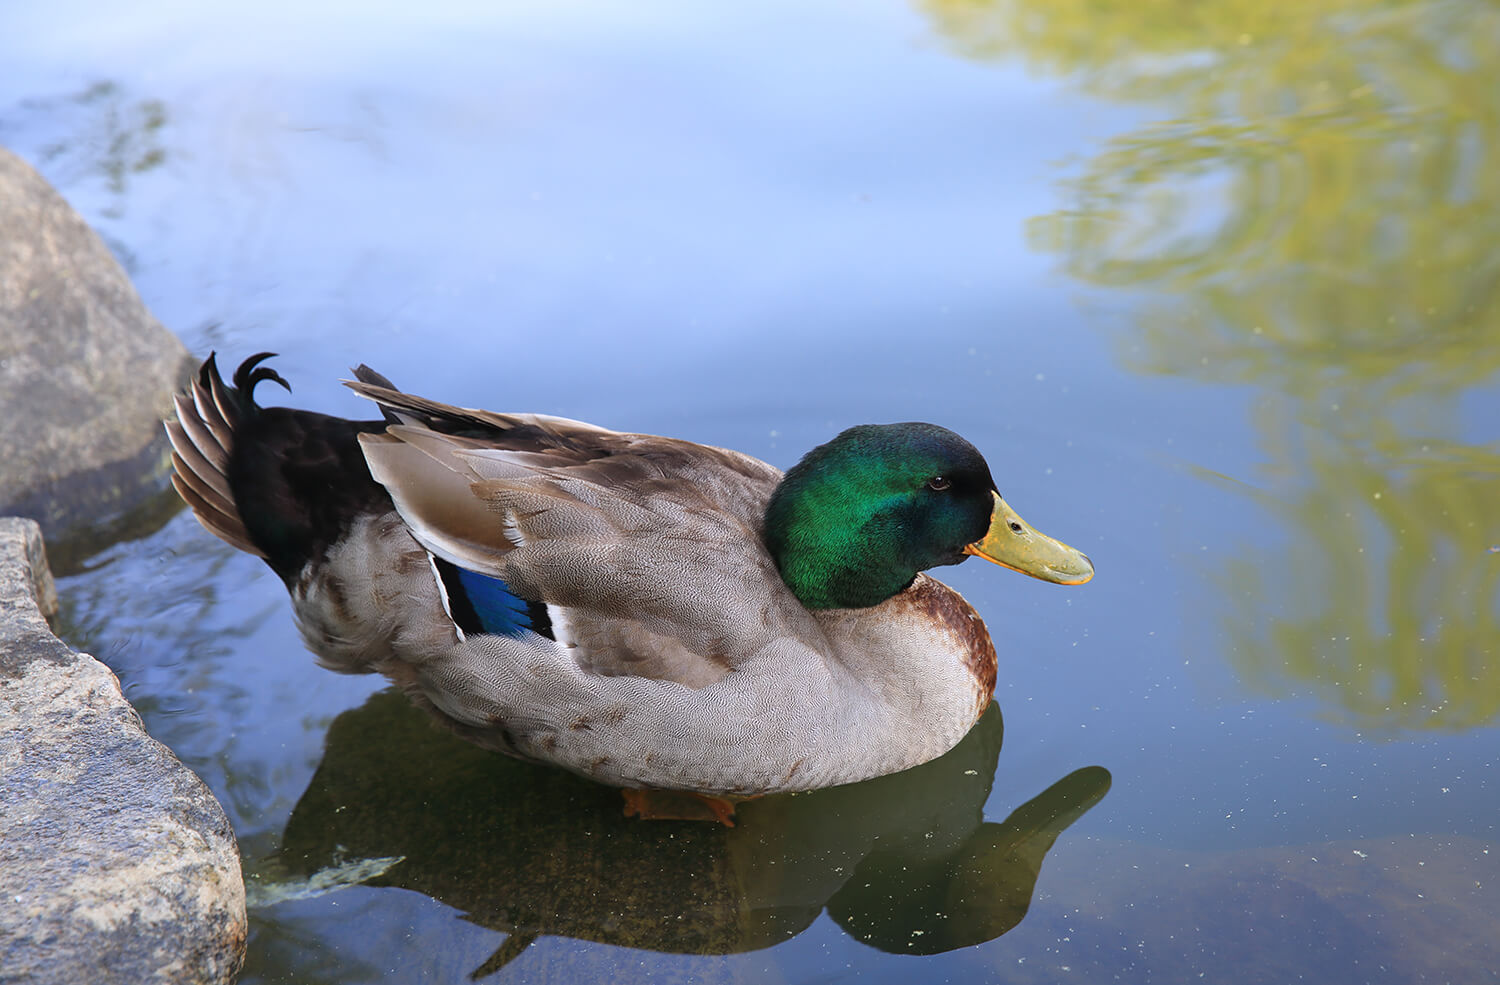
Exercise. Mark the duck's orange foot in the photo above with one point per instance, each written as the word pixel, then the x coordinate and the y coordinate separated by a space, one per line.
pixel 677 805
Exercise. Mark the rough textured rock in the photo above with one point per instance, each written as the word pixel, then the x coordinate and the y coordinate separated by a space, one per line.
pixel 85 372
pixel 116 862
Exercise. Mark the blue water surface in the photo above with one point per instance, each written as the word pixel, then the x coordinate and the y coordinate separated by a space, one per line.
pixel 1214 295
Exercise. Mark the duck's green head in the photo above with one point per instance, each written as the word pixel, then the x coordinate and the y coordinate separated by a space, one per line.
pixel 855 521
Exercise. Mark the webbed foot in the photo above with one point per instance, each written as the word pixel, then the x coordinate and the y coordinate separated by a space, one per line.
pixel 677 805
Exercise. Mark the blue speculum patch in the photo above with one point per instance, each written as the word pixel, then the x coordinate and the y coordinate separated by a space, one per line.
pixel 484 604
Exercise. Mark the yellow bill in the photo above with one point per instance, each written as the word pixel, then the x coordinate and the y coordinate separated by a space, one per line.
pixel 1012 543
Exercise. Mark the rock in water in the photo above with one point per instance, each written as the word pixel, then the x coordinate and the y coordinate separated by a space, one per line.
pixel 86 374
pixel 116 862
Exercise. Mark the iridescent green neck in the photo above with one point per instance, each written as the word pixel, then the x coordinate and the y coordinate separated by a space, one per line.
pixel 854 522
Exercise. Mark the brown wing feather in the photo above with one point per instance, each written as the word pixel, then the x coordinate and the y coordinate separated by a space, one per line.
pixel 513 432
pixel 437 492
pixel 647 549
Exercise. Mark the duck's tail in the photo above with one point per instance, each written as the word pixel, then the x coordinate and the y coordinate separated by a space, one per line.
pixel 277 482
pixel 203 439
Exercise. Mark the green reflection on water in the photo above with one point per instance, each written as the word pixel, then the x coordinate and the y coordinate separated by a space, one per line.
pixel 904 863
pixel 1319 218
pixel 1385 600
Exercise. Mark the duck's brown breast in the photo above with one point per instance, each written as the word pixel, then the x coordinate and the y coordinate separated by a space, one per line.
pixel 950 614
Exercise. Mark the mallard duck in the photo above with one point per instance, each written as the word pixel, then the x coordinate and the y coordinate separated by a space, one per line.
pixel 648 612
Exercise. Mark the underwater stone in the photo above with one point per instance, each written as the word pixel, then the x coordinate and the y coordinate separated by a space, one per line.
pixel 86 372
pixel 116 862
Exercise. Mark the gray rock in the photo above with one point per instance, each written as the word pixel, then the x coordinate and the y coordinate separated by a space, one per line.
pixel 85 372
pixel 116 862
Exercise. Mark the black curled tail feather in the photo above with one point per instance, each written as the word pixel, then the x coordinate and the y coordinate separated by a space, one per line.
pixel 250 373
pixel 279 483
pixel 203 439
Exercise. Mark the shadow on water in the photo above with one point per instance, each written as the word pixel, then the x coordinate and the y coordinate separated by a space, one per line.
pixel 903 863
pixel 1315 219
pixel 75 549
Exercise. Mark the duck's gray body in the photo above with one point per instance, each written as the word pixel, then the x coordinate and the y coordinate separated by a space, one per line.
pixel 651 641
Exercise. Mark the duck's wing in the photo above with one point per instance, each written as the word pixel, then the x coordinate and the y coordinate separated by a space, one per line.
pixel 646 551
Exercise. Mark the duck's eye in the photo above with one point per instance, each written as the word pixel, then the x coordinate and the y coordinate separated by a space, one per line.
pixel 938 483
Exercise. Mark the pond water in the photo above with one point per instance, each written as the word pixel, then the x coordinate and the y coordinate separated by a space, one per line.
pixel 1214 286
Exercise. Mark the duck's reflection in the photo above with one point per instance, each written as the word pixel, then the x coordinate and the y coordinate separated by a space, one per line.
pixel 905 863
